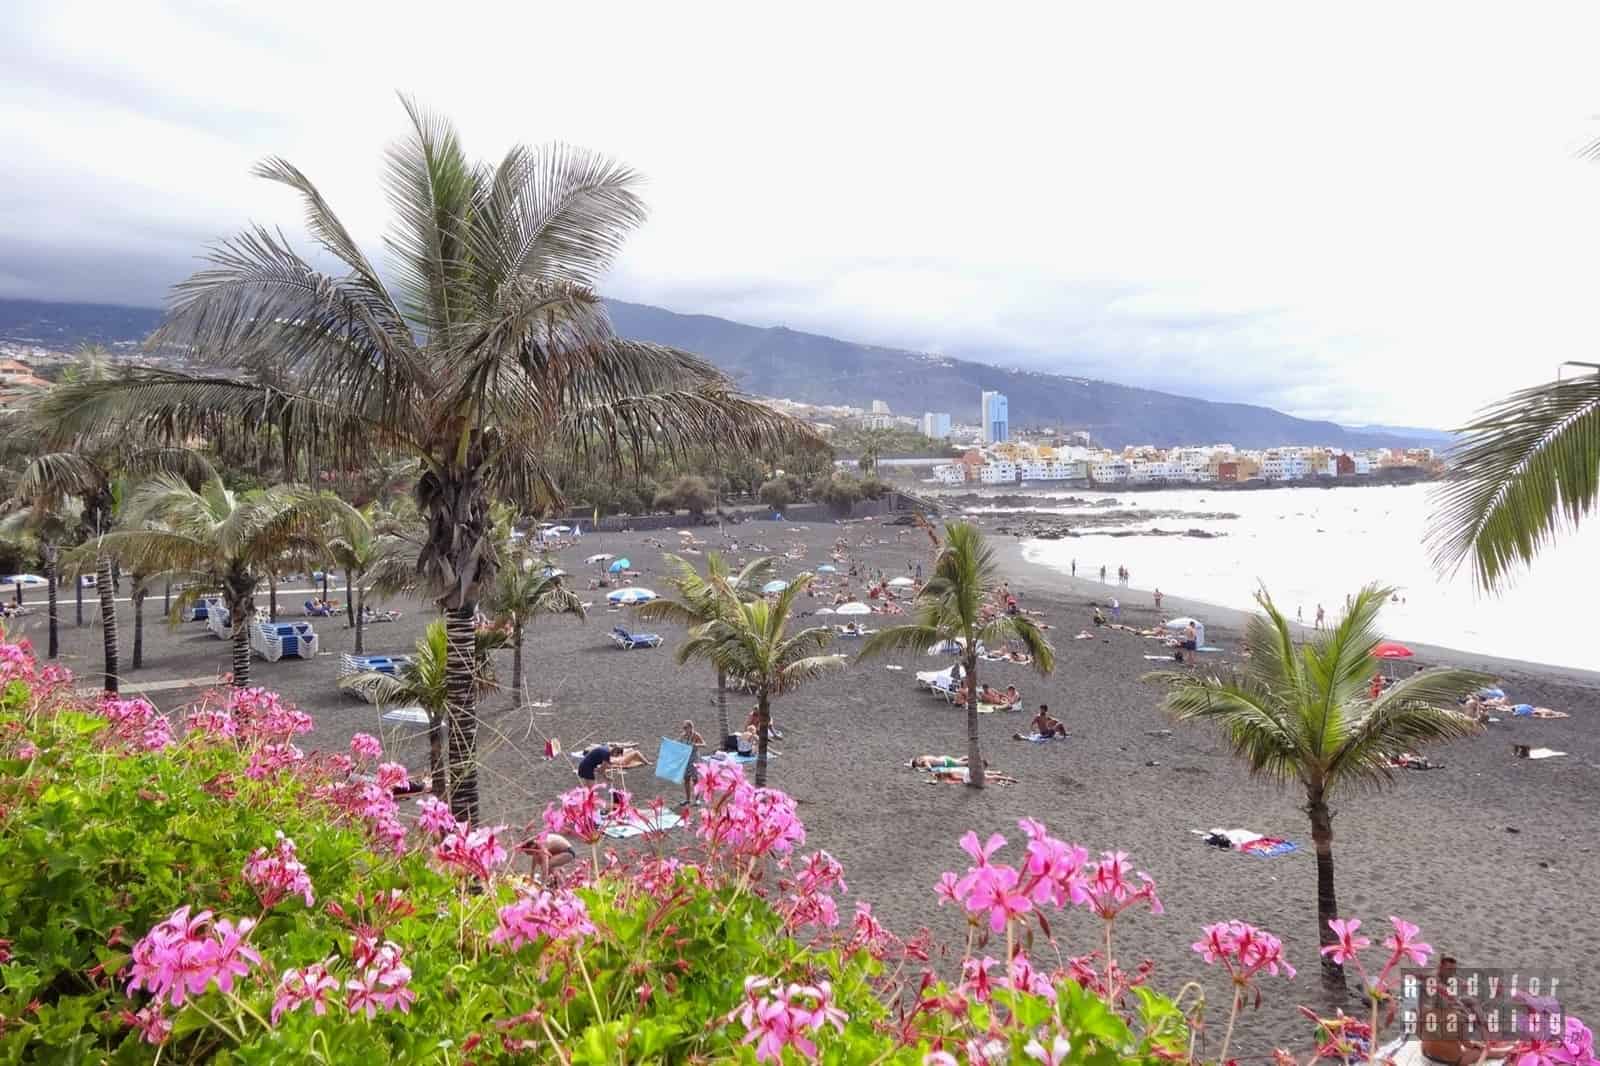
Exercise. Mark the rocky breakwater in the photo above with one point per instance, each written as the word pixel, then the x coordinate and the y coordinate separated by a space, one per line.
pixel 1108 524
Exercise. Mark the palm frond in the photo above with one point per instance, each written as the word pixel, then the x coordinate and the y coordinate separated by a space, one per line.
pixel 1388 729
pixel 1015 627
pixel 1525 470
pixel 431 188
pixel 917 639
pixel 1259 729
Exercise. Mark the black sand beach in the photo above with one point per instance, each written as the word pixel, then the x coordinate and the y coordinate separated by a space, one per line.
pixel 1492 856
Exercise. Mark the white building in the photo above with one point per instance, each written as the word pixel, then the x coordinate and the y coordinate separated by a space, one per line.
pixel 879 407
pixel 1110 470
pixel 1285 465
pixel 936 424
pixel 950 474
pixel 998 472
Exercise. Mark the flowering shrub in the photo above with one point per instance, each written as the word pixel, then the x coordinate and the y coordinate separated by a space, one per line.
pixel 215 894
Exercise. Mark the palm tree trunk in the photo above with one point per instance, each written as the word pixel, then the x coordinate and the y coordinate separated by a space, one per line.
pixel 324 582
pixel 355 608
pixel 516 663
pixel 1327 903
pixel 461 711
pixel 50 595
pixel 723 726
pixel 975 768
pixel 108 621
pixel 166 596
pixel 77 588
pixel 350 608
pixel 240 593
pixel 763 730
pixel 139 594
pixel 272 597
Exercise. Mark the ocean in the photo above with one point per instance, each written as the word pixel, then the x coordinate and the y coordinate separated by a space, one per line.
pixel 1309 546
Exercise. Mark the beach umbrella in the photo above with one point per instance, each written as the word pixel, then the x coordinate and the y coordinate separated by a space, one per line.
pixel 561 529
pixel 853 607
pixel 620 565
pixel 773 587
pixel 901 582
pixel 601 558
pixel 685 532
pixel 552 571
pixel 824 610
pixel 827 568
pixel 630 596
pixel 1390 651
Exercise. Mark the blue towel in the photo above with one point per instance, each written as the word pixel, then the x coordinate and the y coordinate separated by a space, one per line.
pixel 672 761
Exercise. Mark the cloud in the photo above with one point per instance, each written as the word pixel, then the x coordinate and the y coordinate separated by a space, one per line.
pixel 1369 214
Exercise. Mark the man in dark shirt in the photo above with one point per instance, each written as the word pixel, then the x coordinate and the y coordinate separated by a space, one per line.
pixel 597 759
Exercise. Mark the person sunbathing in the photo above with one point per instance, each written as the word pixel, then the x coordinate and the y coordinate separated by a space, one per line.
pixel 994 695
pixel 1441 1010
pixel 1044 724
pixel 752 724
pixel 934 762
pixel 546 852
pixel 961 775
pixel 1546 712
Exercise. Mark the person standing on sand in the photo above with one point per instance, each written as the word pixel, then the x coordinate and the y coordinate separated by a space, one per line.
pixel 1298 616
pixel 1319 616
pixel 691 736
pixel 1074 574
pixel 1102 573
pixel 1158 599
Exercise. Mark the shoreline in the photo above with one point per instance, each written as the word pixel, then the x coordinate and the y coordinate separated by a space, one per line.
pixel 1043 578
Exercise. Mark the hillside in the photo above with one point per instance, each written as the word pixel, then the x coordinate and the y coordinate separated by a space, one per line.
pixel 817 369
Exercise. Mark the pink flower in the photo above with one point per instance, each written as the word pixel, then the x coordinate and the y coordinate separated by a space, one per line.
pixel 391 775
pixel 181 955
pixel 1243 950
pixel 947 889
pixel 1056 1054
pixel 310 984
pixel 751 822
pixel 212 723
pixel 27 750
pixel 436 817
pixel 557 915
pixel 473 853
pixel 278 874
pixel 576 812
pixel 975 978
pixel 1109 891
pixel 268 759
pixel 136 724
pixel 365 746
pixel 1348 943
pixel 778 1017
pixel 1403 942
pixel 151 1022
pixel 1022 976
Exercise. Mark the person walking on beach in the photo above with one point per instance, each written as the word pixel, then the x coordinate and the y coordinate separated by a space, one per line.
pixel 1116 609
pixel 1074 574
pixel 1299 616
pixel 1102 573
pixel 1319 616
pixel 1158 600
pixel 691 736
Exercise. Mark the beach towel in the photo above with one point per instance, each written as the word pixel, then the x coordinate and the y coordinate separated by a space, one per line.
pixel 733 756
pixel 1267 847
pixel 672 761
pixel 640 822
pixel 1161 658
pixel 1535 753
pixel 1040 738
pixel 1522 710
pixel 944 763
pixel 1209 647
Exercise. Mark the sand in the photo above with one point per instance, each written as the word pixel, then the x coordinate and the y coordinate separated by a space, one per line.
pixel 1493 856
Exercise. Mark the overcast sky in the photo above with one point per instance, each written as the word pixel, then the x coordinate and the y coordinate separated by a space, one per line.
pixel 1369 213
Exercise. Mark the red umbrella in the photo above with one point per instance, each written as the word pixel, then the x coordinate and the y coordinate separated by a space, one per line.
pixel 1390 650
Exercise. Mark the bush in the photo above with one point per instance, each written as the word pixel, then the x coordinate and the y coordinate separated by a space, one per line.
pixel 839 491
pixel 873 489
pixel 210 893
pixel 777 494
pixel 692 494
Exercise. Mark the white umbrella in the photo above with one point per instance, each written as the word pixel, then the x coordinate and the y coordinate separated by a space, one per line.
pixel 631 595
pixel 601 558
pixel 824 610
pixel 772 587
pixel 685 533
pixel 854 607
pixel 902 582
pixel 561 529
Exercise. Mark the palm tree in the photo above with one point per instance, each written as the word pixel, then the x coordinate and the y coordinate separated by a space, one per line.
pixel 1524 470
pixel 223 540
pixel 91 475
pixel 487 357
pixel 1302 715
pixel 521 592
pixel 373 558
pixel 51 520
pixel 700 600
pixel 874 441
pixel 749 640
pixel 424 682
pixel 951 607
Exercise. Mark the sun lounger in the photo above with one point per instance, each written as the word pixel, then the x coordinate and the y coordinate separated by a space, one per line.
pixel 218 620
pixel 313 611
pixel 274 640
pixel 413 715
pixel 628 641
pixel 200 610
pixel 350 665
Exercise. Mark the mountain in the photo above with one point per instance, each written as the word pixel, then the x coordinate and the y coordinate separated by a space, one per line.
pixel 825 370
pixel 816 369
